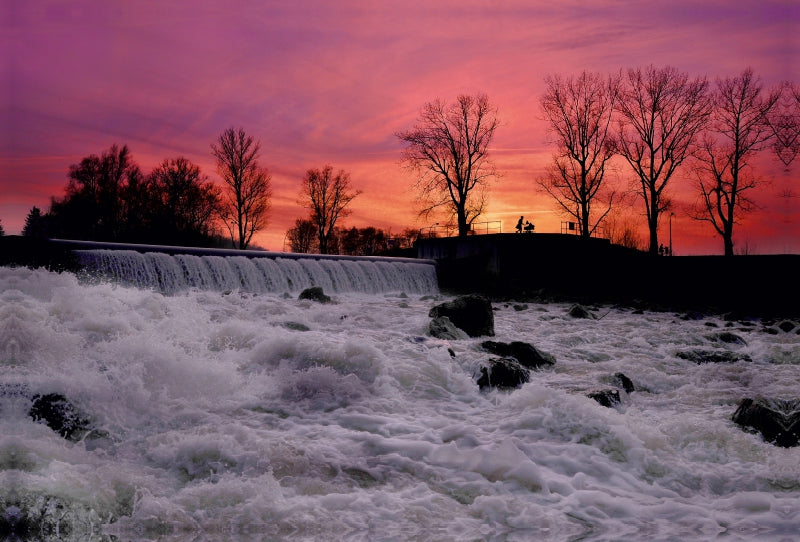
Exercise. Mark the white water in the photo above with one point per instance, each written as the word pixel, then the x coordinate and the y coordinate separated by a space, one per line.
pixel 170 274
pixel 224 424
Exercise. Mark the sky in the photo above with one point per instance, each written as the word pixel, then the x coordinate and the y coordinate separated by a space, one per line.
pixel 320 82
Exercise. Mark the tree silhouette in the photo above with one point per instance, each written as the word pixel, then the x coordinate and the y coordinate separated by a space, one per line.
pixel 785 121
pixel 35 224
pixel 448 150
pixel 248 186
pixel 661 112
pixel 739 129
pixel 185 203
pixel 302 236
pixel 579 112
pixel 93 207
pixel 327 196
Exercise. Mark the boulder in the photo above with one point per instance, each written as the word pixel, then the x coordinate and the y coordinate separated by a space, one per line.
pixel 786 326
pixel 526 354
pixel 727 337
pixel 712 356
pixel 60 415
pixel 503 373
pixel 579 311
pixel 624 382
pixel 778 421
pixel 470 313
pixel 442 328
pixel 607 398
pixel 315 293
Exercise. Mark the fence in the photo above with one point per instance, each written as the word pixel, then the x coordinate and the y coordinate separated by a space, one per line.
pixel 451 230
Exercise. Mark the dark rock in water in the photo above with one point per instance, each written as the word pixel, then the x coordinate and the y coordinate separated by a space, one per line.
pixel 526 354
pixel 778 421
pixel 60 415
pixel 471 313
pixel 520 307
pixel 727 337
pixel 442 328
pixel 712 356
pixel 315 293
pixel 296 326
pixel 579 311
pixel 786 326
pixel 607 398
pixel 624 382
pixel 503 373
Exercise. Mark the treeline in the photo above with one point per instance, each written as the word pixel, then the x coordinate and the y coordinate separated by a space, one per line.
pixel 109 198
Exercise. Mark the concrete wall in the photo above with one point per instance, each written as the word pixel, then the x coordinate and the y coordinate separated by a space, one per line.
pixel 593 270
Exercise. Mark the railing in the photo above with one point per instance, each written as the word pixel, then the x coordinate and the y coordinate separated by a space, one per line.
pixel 451 230
pixel 572 228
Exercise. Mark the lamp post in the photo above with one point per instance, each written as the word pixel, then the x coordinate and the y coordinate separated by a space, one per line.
pixel 670 233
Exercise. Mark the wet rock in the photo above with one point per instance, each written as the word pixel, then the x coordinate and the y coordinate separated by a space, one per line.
pixel 624 382
pixel 442 328
pixel 712 356
pixel 60 415
pixel 727 337
pixel 470 313
pixel 296 326
pixel 315 293
pixel 579 311
pixel 778 421
pixel 520 307
pixel 526 354
pixel 606 398
pixel 786 326
pixel 503 373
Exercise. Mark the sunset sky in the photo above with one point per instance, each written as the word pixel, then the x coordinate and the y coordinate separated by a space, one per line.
pixel 321 82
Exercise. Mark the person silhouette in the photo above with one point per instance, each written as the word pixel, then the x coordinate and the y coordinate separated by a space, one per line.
pixel 519 224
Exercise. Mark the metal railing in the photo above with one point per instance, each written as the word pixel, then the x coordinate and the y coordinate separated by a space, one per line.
pixel 451 230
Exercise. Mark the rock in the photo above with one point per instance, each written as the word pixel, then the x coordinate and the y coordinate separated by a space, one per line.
pixel 607 398
pixel 520 307
pixel 786 326
pixel 60 415
pixel 712 356
pixel 503 373
pixel 442 328
pixel 526 354
pixel 315 293
pixel 778 421
pixel 579 311
pixel 624 382
pixel 296 326
pixel 727 337
pixel 471 313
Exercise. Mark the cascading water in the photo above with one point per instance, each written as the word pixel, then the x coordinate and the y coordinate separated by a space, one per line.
pixel 127 414
pixel 174 273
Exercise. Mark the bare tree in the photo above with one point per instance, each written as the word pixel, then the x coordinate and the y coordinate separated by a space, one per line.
pixel 739 129
pixel 785 122
pixel 661 112
pixel 248 191
pixel 327 196
pixel 448 150
pixel 579 110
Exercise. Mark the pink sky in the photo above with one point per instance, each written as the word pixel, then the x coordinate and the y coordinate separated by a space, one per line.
pixel 321 82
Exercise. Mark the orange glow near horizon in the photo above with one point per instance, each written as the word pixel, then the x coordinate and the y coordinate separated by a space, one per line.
pixel 322 83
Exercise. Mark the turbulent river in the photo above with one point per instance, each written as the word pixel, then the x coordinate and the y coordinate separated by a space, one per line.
pixel 235 411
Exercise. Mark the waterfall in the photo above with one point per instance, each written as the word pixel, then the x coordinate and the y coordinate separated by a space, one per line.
pixel 276 273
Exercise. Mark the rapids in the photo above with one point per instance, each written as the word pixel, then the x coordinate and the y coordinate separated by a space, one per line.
pixel 240 413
